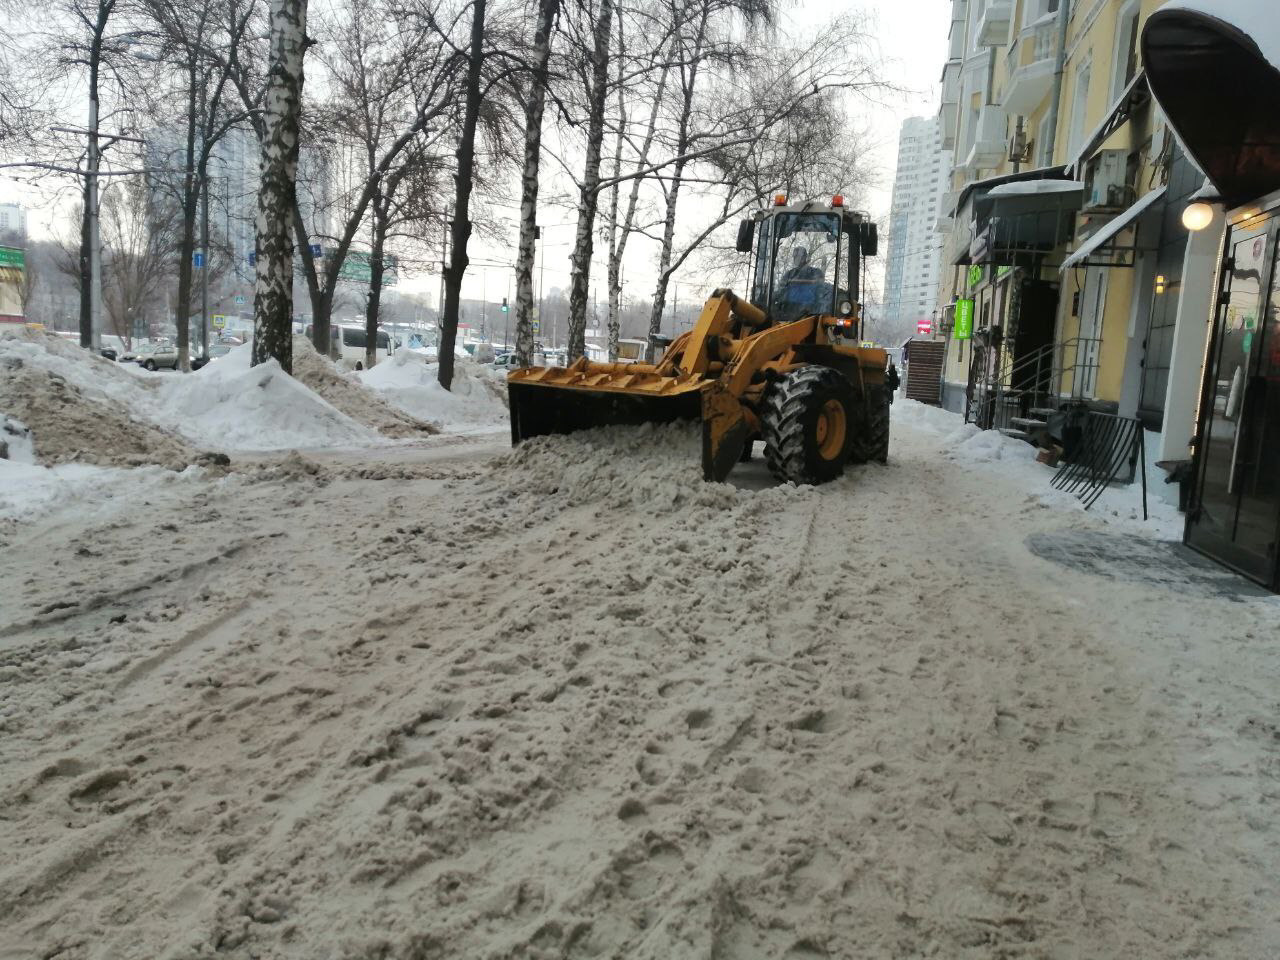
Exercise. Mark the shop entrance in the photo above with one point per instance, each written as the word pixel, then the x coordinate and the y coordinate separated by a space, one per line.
pixel 1235 513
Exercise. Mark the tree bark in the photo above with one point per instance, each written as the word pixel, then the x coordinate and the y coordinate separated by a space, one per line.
pixel 535 106
pixel 186 247
pixel 273 293
pixel 463 180
pixel 688 86
pixel 629 218
pixel 589 197
pixel 381 218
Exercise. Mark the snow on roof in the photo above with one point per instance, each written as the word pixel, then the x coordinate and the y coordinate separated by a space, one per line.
pixel 1029 187
pixel 1256 19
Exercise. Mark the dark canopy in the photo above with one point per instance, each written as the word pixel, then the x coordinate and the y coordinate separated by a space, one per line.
pixel 1212 67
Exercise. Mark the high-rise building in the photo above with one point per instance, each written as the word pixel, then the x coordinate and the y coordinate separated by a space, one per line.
pixel 913 253
pixel 13 223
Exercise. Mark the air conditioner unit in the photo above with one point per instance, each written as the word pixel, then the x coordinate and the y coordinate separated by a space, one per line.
pixel 1104 180
pixel 1020 147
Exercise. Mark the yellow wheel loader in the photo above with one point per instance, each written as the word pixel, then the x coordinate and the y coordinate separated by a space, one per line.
pixel 784 366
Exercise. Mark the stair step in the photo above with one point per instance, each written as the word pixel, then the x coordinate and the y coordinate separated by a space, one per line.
pixel 1028 422
pixel 1043 411
pixel 1015 434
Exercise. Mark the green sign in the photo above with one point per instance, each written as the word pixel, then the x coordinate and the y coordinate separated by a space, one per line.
pixel 1001 271
pixel 357 269
pixel 13 257
pixel 963 329
pixel 975 275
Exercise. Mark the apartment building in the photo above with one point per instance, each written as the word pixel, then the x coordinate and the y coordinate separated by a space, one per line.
pixel 913 251
pixel 1064 259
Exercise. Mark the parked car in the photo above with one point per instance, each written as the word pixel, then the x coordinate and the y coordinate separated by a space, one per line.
pixel 155 355
pixel 349 343
pixel 108 352
pixel 216 351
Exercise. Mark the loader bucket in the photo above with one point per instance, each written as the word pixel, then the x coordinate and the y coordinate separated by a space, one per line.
pixel 549 400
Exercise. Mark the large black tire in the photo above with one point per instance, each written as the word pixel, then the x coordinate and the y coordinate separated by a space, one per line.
pixel 809 418
pixel 872 439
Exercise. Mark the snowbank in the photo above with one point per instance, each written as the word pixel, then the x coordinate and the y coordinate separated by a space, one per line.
pixel 353 398
pixel 83 408
pixel 230 405
pixel 476 402
pixel 965 443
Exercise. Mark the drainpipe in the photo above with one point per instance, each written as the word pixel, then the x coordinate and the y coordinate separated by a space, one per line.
pixel 1059 65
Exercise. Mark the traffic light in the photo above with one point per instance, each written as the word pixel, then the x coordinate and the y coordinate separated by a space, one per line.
pixel 504 304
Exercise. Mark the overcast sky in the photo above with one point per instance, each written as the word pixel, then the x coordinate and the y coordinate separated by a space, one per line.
pixel 912 37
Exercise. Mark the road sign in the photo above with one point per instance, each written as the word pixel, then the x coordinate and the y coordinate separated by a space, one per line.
pixel 253 259
pixel 924 325
pixel 964 320
pixel 537 327
pixel 317 250
pixel 219 321
pixel 197 260
pixel 239 299
pixel 356 268
pixel 12 257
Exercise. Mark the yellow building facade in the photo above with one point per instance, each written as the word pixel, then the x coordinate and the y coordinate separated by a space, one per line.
pixel 1061 231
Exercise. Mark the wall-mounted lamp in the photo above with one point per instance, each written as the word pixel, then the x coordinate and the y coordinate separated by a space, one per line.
pixel 1160 283
pixel 1197 215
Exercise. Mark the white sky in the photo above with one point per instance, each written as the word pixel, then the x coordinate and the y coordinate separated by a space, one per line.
pixel 912 37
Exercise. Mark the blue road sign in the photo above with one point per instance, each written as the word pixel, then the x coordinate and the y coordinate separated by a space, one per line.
pixel 317 250
pixel 198 260
pixel 253 259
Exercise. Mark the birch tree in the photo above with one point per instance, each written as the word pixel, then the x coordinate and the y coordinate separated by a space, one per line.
pixel 589 196
pixel 277 195
pixel 535 106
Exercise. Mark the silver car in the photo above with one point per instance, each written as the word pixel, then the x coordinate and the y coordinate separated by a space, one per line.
pixel 152 356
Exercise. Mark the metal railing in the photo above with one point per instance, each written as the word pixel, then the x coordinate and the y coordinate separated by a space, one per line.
pixel 1002 388
pixel 1111 449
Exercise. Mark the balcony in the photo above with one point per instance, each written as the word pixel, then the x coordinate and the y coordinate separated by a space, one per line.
pixel 955 40
pixel 993 27
pixel 947 125
pixel 1031 73
pixel 989 146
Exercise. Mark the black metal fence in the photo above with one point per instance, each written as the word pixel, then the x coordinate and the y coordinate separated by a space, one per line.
pixel 1111 449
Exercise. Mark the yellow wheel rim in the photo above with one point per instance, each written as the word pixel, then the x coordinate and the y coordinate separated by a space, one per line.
pixel 831 430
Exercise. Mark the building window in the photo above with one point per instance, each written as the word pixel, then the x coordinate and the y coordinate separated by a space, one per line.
pixel 1080 106
pixel 1125 65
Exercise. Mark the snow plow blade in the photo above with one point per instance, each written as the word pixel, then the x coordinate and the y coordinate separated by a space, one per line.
pixel 550 400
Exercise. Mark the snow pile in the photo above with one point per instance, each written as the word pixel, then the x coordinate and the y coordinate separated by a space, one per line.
pixel 353 398
pixel 231 405
pixel 81 408
pixel 476 402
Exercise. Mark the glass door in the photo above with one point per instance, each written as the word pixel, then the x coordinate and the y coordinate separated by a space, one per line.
pixel 1237 504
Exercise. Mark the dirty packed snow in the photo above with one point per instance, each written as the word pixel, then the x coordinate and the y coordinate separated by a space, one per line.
pixel 476 402
pixel 455 700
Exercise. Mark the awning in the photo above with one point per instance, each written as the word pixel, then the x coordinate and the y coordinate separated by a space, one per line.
pixel 1134 97
pixel 1214 68
pixel 1016 219
pixel 1080 257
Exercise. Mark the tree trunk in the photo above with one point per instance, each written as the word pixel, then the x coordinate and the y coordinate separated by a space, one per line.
pixel 633 200
pixel 191 181
pixel 548 10
pixel 461 231
pixel 277 196
pixel 688 86
pixel 86 273
pixel 615 258
pixel 381 216
pixel 589 197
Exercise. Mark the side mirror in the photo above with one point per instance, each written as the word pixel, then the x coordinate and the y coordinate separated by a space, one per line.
pixel 869 240
pixel 746 233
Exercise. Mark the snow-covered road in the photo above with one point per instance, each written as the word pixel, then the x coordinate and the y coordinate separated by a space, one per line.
pixel 442 700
